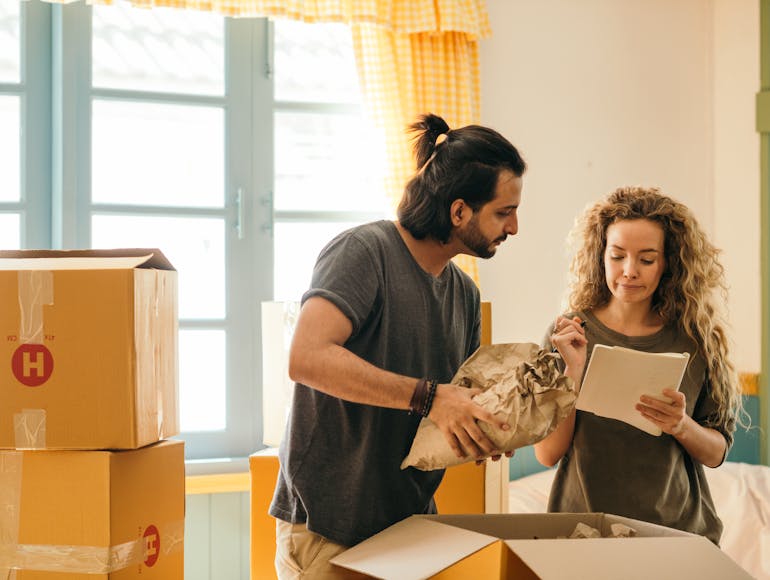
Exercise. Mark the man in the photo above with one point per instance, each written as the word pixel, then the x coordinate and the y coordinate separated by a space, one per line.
pixel 387 322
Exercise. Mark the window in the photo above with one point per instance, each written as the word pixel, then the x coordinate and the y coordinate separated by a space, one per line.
pixel 236 146
pixel 11 94
pixel 327 175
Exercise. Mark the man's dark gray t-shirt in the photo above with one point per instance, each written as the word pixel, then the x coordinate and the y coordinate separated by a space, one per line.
pixel 340 461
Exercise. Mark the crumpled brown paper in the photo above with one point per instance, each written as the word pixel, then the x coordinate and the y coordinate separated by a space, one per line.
pixel 522 386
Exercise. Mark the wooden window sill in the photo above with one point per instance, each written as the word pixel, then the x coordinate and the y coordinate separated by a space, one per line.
pixel 226 475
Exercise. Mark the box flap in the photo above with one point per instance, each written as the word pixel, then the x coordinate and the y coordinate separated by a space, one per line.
pixel 537 525
pixel 120 258
pixel 642 528
pixel 627 558
pixel 413 548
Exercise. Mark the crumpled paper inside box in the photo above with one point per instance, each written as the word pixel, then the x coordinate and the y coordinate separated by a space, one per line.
pixel 522 385
pixel 585 531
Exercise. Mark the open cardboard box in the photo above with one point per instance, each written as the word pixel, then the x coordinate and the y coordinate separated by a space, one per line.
pixel 530 546
pixel 466 489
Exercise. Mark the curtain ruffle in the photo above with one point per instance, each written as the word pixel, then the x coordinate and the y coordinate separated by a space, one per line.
pixel 399 16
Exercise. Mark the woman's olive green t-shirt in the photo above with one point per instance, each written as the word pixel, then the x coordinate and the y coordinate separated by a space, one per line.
pixel 615 468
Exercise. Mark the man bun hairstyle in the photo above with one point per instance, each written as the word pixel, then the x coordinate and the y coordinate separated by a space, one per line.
pixel 452 164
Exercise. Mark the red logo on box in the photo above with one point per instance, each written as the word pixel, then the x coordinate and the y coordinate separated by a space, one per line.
pixel 32 364
pixel 151 545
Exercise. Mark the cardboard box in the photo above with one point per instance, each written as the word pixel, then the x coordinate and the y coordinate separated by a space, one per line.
pixel 263 467
pixel 466 488
pixel 474 489
pixel 93 514
pixel 88 349
pixel 527 546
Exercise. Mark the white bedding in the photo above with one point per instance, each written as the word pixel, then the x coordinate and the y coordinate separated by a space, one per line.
pixel 741 494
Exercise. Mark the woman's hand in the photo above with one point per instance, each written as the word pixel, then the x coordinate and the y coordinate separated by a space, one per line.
pixel 704 444
pixel 670 417
pixel 569 338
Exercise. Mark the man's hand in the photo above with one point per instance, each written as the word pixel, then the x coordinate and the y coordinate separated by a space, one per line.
pixel 456 415
pixel 508 454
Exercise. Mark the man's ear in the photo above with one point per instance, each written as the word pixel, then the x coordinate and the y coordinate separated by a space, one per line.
pixel 457 210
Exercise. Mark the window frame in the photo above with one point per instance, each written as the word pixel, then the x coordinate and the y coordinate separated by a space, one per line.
pixel 56 207
pixel 763 128
pixel 34 93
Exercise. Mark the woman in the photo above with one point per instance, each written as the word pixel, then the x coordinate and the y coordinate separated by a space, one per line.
pixel 646 277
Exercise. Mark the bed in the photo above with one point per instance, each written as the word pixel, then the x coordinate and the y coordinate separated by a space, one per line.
pixel 741 493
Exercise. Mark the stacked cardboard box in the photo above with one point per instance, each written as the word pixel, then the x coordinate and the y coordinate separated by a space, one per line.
pixel 90 485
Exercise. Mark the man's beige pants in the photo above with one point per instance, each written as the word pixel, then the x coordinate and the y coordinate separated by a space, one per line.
pixel 301 554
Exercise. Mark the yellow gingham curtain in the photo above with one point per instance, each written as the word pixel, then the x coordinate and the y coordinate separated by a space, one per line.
pixel 413 56
pixel 403 75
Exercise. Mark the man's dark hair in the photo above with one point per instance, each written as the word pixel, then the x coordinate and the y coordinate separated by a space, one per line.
pixel 465 165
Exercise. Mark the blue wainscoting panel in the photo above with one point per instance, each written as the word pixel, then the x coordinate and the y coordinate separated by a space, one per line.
pixel 746 442
pixel 217 536
pixel 524 463
pixel 197 537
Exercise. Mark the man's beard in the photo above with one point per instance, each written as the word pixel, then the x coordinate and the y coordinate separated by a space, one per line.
pixel 475 241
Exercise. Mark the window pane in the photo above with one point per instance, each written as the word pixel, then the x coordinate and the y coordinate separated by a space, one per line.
pixel 195 246
pixel 10 145
pixel 10 238
pixel 148 154
pixel 162 49
pixel 202 393
pixel 10 45
pixel 327 162
pixel 297 245
pixel 314 62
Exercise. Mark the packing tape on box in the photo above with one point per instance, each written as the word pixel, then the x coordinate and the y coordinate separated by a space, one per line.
pixel 147 550
pixel 10 496
pixel 35 291
pixel 29 429
pixel 154 318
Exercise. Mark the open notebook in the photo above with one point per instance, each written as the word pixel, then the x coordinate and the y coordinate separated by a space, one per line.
pixel 616 377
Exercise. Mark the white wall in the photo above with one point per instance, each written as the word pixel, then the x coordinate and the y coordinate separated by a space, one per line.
pixel 736 169
pixel 601 93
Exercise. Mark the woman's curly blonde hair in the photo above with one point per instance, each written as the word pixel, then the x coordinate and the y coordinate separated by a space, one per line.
pixel 691 284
